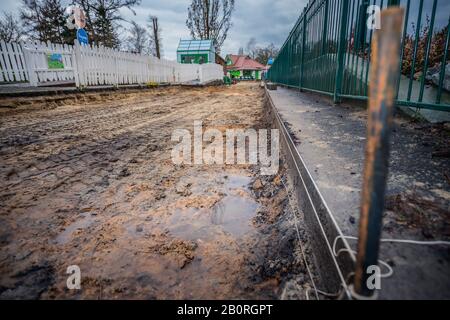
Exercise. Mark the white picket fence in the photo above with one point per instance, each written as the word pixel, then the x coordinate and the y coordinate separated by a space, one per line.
pixel 12 63
pixel 36 60
pixel 93 66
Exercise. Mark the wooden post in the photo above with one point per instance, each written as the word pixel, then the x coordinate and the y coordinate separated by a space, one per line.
pixel 29 62
pixel 384 78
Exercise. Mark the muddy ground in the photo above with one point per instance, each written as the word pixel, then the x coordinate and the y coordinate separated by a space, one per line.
pixel 87 180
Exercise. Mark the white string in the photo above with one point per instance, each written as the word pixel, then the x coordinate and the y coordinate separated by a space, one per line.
pixel 355 295
pixel 424 243
pixel 300 243
pixel 326 294
pixel 390 271
pixel 288 139
pixel 338 269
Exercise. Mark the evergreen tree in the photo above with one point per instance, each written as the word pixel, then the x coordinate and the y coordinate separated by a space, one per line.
pixel 103 17
pixel 44 20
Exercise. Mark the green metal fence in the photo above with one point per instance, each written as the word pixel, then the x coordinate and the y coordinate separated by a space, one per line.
pixel 328 51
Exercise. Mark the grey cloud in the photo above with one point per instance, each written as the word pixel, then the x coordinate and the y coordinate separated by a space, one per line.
pixel 252 18
pixel 266 20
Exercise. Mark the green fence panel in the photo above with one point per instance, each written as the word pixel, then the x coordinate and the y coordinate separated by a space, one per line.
pixel 328 51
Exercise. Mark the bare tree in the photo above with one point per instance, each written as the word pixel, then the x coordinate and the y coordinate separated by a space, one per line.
pixel 264 54
pixel 44 20
pixel 103 17
pixel 251 48
pixel 10 28
pixel 210 19
pixel 155 36
pixel 138 40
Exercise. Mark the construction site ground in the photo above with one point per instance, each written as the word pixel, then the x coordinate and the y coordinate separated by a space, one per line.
pixel 87 179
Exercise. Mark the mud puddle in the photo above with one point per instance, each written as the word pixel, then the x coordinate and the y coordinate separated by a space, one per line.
pixel 66 236
pixel 231 215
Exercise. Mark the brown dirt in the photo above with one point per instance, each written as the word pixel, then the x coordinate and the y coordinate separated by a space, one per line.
pixel 88 180
pixel 410 210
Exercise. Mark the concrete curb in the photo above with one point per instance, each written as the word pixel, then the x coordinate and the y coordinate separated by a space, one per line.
pixel 322 227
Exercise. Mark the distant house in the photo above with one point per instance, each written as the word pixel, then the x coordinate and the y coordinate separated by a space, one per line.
pixel 243 67
pixel 196 51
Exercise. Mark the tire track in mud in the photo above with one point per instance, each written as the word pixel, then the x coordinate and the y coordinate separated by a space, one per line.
pixel 103 130
pixel 79 114
pixel 85 123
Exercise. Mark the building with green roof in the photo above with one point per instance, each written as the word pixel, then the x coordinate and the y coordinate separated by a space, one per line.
pixel 196 51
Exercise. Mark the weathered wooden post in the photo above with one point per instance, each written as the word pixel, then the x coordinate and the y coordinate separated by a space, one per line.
pixel 384 78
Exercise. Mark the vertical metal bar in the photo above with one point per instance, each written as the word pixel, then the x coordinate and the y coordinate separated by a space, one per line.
pixel 337 22
pixel 302 69
pixel 383 82
pixel 443 65
pixel 333 14
pixel 356 42
pixel 427 51
pixel 349 51
pixel 369 58
pixel 325 27
pixel 393 3
pixel 341 51
pixel 364 64
pixel 330 39
pixel 405 32
pixel 416 46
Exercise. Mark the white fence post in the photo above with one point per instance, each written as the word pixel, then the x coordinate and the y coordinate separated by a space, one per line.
pixel 77 64
pixel 29 62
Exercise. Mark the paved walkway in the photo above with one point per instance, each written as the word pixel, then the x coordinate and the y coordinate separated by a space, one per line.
pixel 331 139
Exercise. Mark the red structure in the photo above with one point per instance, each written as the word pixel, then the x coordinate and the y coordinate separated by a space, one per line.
pixel 244 68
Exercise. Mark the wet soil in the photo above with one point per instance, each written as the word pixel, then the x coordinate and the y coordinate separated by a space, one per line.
pixel 87 180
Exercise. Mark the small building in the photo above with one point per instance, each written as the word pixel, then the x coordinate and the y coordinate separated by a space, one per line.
pixel 196 51
pixel 243 67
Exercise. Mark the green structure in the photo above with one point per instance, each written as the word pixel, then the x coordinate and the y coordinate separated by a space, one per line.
pixel 196 51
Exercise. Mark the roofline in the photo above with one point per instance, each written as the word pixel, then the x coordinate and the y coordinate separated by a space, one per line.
pixel 191 51
pixel 254 69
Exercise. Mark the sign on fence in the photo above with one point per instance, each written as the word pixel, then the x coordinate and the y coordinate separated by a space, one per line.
pixel 55 61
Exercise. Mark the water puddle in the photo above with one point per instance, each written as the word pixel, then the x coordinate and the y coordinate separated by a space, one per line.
pixel 237 181
pixel 232 215
pixel 82 223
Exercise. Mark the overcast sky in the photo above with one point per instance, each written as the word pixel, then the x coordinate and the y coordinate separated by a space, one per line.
pixel 266 20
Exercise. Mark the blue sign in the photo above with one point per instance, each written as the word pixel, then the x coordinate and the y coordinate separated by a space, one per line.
pixel 82 37
pixel 270 62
